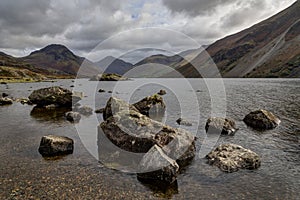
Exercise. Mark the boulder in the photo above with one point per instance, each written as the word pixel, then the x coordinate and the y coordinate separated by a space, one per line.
pixel 100 110
pixel 183 122
pixel 5 101
pixel 52 145
pixel 115 105
pixel 73 116
pixel 134 132
pixel 220 125
pixel 151 105
pixel 162 92
pixel 53 95
pixel 231 158
pixel 156 165
pixel 261 120
pixel 101 90
pixel 85 110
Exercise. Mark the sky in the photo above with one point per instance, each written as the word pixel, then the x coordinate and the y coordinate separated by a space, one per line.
pixel 98 28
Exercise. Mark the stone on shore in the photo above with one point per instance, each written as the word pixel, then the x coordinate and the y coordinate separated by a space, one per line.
pixel 162 92
pixel 85 110
pixel 261 120
pixel 52 145
pixel 220 125
pixel 183 122
pixel 231 158
pixel 53 95
pixel 151 105
pixel 100 110
pixel 5 101
pixel 73 116
pixel 101 90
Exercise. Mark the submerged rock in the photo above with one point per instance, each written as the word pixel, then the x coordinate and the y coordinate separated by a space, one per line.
pixel 156 165
pixel 24 101
pixel 5 101
pixel 151 105
pixel 73 116
pixel 162 92
pixel 261 120
pixel 101 90
pixel 183 122
pixel 53 95
pixel 231 158
pixel 85 110
pixel 52 145
pixel 220 125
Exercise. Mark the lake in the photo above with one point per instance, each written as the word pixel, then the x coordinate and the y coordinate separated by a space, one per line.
pixel 25 174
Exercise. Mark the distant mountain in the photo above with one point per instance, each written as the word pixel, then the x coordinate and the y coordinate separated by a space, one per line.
pixel 111 64
pixel 268 49
pixel 60 59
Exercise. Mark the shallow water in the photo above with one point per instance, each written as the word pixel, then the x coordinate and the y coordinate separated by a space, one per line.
pixel 25 174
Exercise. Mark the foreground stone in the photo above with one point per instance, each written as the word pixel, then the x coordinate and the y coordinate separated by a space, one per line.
pixel 151 105
pixel 108 77
pixel 73 116
pixel 5 101
pixel 101 90
pixel 261 120
pixel 231 158
pixel 220 125
pixel 183 122
pixel 24 101
pixel 52 145
pixel 53 95
pixel 156 165
pixel 100 110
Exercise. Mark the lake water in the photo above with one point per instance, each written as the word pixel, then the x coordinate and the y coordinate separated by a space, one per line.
pixel 24 174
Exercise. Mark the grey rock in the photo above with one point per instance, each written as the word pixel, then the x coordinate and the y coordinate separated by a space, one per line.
pixel 231 158
pixel 101 90
pixel 4 94
pixel 162 92
pixel 73 116
pixel 5 101
pixel 183 122
pixel 53 95
pixel 220 125
pixel 156 165
pixel 100 110
pixel 85 110
pixel 151 105
pixel 52 145
pixel 261 120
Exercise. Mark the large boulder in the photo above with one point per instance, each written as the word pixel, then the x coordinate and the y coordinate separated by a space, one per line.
pixel 231 158
pixel 220 125
pixel 261 120
pixel 134 132
pixel 156 165
pixel 5 101
pixel 52 145
pixel 115 105
pixel 151 105
pixel 53 95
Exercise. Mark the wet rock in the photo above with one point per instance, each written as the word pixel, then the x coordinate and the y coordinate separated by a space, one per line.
pixel 162 92
pixel 73 116
pixel 53 95
pixel 101 90
pixel 4 94
pixel 52 145
pixel 261 120
pixel 231 158
pixel 108 77
pixel 24 101
pixel 109 91
pixel 85 110
pixel 183 122
pixel 101 110
pixel 151 105
pixel 134 132
pixel 5 101
pixel 156 165
pixel 115 105
pixel 219 125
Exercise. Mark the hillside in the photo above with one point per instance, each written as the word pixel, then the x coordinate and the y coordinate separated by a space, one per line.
pixel 111 64
pixel 267 49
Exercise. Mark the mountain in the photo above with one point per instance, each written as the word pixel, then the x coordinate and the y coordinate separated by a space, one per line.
pixel 111 64
pixel 267 49
pixel 61 60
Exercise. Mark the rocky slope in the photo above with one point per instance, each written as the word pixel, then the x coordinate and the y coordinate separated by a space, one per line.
pixel 111 64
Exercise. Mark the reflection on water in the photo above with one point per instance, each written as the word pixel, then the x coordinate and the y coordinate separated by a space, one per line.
pixel 49 114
